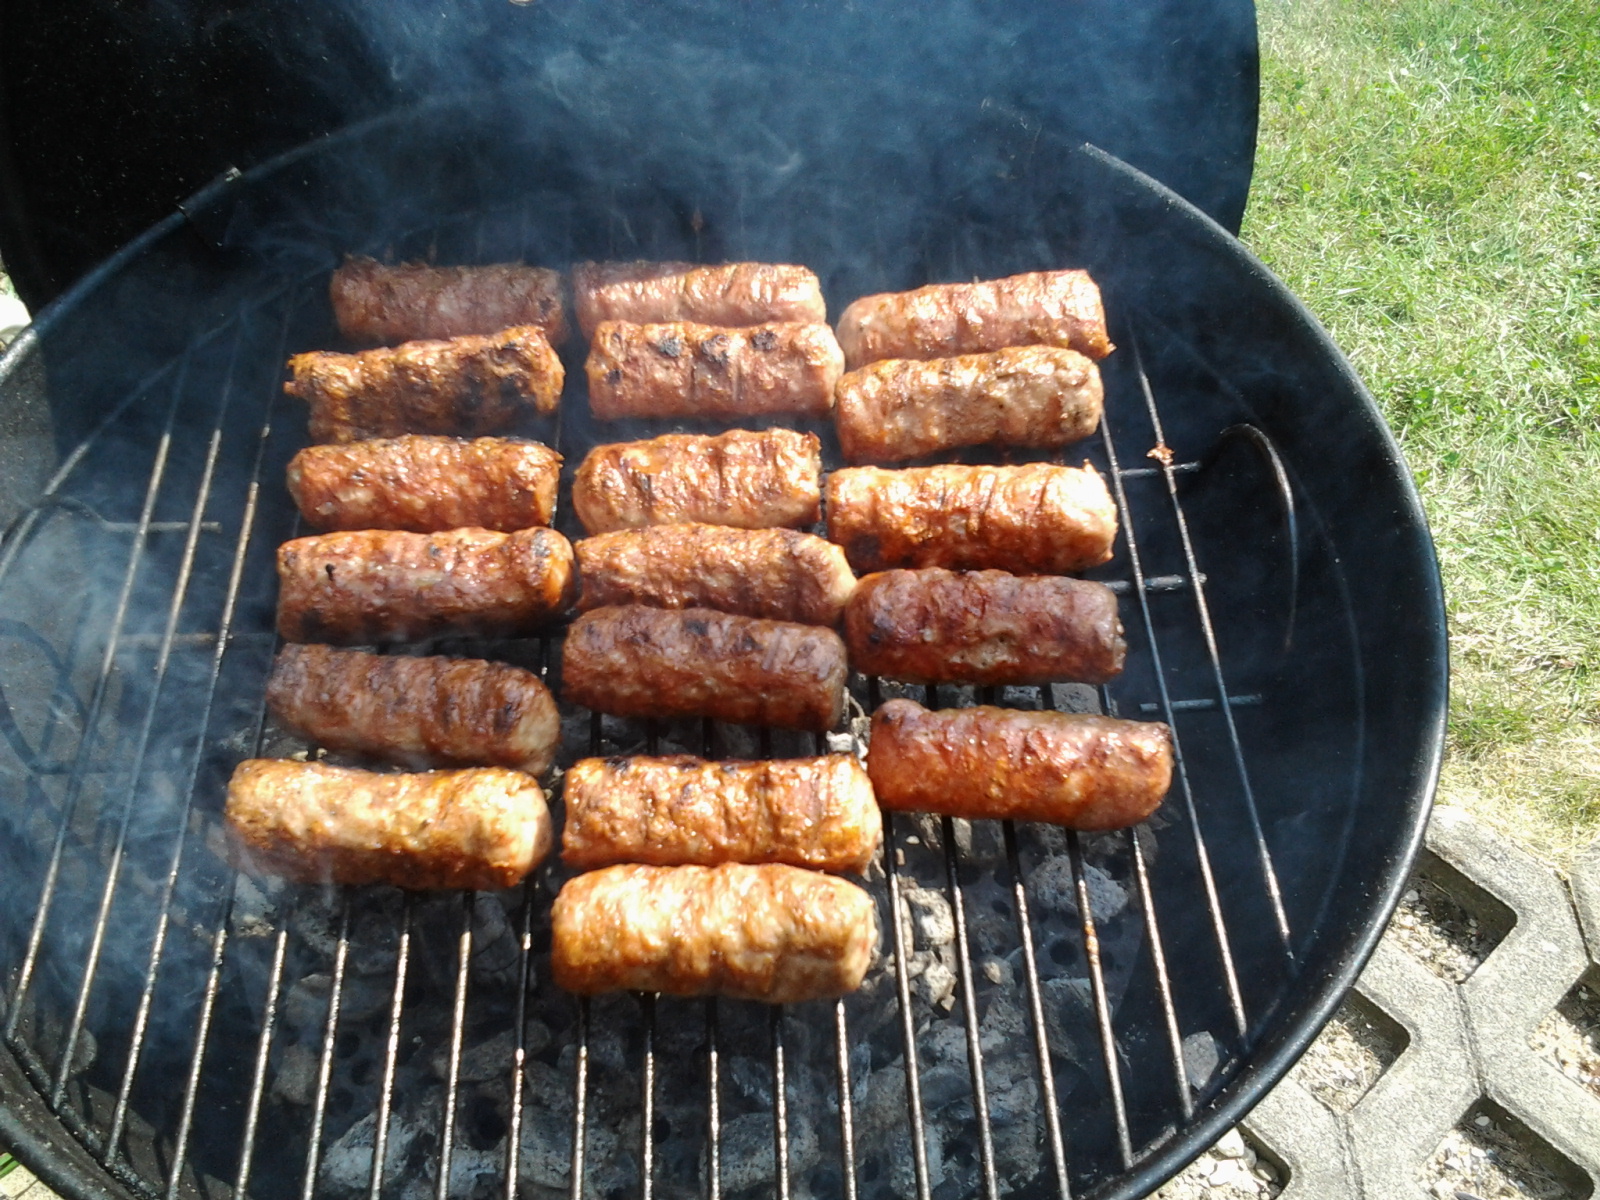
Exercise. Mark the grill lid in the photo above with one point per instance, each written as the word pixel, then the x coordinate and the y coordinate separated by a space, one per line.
pixel 108 119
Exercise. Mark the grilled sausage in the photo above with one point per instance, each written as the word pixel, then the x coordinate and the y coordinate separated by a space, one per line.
pixel 379 305
pixel 1034 519
pixel 742 478
pixel 416 711
pixel 728 294
pixel 465 385
pixel 984 627
pixel 1086 772
pixel 426 484
pixel 687 370
pixel 901 408
pixel 481 829
pixel 384 586
pixel 1041 308
pixel 651 662
pixel 779 574
pixel 807 812
pixel 773 933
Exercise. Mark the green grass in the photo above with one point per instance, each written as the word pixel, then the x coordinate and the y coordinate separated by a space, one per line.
pixel 1428 180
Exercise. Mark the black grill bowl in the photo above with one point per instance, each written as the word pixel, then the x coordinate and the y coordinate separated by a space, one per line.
pixel 174 1029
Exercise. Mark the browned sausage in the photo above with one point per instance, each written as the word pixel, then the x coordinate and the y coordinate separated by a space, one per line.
pixel 481 829
pixel 385 585
pixel 653 662
pixel 742 478
pixel 1041 308
pixel 780 574
pixel 466 385
pixel 687 370
pixel 774 933
pixel 901 408
pixel 379 305
pixel 1086 772
pixel 807 812
pixel 726 294
pixel 1031 519
pixel 984 627
pixel 426 484
pixel 416 711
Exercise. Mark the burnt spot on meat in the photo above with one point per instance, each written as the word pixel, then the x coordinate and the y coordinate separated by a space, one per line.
pixel 614 376
pixel 715 349
pixel 328 567
pixel 671 346
pixel 697 626
pixel 764 339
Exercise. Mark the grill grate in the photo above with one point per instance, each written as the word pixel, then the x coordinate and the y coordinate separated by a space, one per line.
pixel 230 973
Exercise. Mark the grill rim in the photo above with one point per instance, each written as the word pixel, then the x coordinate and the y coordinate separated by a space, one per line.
pixel 70 1167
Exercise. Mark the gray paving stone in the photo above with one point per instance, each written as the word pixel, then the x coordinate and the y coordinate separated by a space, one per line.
pixel 1396 1126
pixel 1515 988
pixel 1585 884
pixel 1310 1140
pixel 1465 1041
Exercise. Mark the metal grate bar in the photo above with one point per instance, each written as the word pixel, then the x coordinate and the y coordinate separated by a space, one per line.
pixel 458 1017
pixel 519 1056
pixel 92 721
pixel 708 738
pixel 1158 957
pixel 325 1066
pixel 1269 872
pixel 969 1006
pixel 580 1099
pixel 1208 880
pixel 258 1078
pixel 219 947
pixel 1205 703
pixel 169 887
pixel 847 1134
pixel 841 1036
pixel 1041 1033
pixel 780 1105
pixel 647 1087
pixel 713 1103
pixel 919 1137
pixel 380 1133
pixel 1102 1006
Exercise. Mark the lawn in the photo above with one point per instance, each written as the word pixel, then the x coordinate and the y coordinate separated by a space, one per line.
pixel 1428 180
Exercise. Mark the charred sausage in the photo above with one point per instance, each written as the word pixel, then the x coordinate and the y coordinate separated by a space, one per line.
pixel 1041 308
pixel 742 478
pixel 779 574
pixel 426 484
pixel 465 385
pixel 807 812
pixel 650 662
pixel 1031 519
pixel 774 933
pixel 481 829
pixel 417 711
pixel 1085 772
pixel 687 370
pixel 383 585
pixel 727 294
pixel 380 305
pixel 901 408
pixel 983 627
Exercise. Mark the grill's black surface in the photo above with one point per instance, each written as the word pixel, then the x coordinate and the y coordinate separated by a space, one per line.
pixel 196 1032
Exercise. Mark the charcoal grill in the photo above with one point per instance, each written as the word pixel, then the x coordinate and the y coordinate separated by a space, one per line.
pixel 1055 1015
